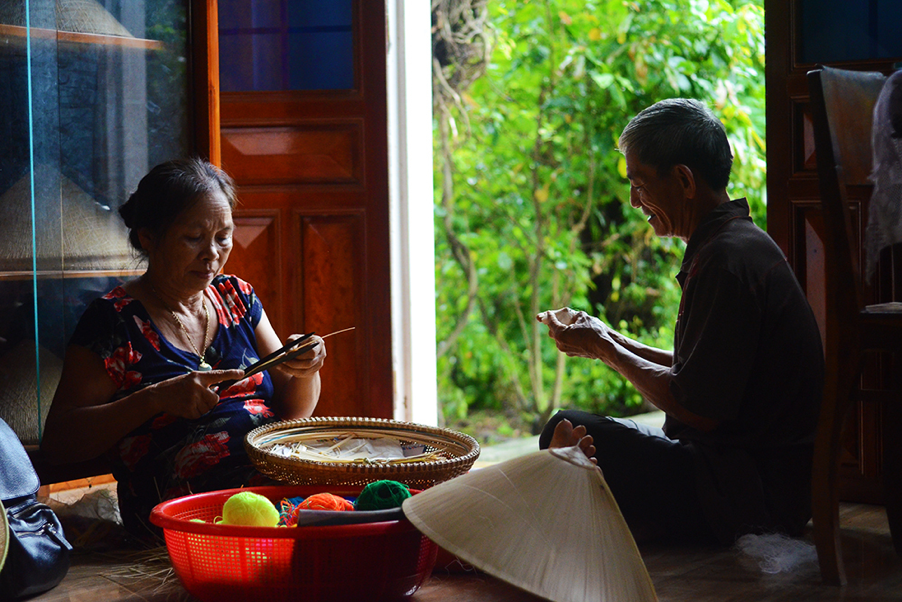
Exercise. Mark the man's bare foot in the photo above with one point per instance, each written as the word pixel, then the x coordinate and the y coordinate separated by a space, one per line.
pixel 567 435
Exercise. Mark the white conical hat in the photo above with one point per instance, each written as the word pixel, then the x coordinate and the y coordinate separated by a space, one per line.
pixel 545 522
pixel 4 535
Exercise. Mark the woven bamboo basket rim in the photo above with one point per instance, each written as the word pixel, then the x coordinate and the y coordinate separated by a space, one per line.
pixel 462 448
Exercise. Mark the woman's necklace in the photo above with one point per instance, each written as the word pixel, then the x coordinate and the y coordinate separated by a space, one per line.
pixel 203 366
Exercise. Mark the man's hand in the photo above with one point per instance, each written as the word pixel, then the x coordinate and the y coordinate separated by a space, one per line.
pixel 565 316
pixel 576 333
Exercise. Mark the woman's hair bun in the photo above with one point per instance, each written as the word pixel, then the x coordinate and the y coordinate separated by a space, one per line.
pixel 127 211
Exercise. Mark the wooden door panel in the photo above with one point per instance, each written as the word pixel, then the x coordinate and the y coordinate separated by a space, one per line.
pixel 811 272
pixel 257 258
pixel 305 255
pixel 315 164
pixel 321 153
pixel 331 297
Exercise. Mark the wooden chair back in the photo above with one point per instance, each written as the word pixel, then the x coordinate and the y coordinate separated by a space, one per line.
pixel 842 107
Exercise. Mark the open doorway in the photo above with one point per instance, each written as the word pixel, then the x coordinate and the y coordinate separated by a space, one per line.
pixel 531 211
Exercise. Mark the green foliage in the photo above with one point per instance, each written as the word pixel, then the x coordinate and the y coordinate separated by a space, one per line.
pixel 539 200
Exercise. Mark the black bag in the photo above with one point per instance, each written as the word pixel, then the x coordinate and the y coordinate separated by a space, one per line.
pixel 38 556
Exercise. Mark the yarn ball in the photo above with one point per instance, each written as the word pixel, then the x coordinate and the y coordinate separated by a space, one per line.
pixel 382 495
pixel 249 509
pixel 288 515
pixel 325 501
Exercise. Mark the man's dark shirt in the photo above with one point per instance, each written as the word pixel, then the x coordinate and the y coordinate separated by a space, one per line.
pixel 747 353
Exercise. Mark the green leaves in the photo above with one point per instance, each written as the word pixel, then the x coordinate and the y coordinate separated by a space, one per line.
pixel 538 194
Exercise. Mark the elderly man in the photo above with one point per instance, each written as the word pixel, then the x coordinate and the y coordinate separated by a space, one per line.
pixel 741 388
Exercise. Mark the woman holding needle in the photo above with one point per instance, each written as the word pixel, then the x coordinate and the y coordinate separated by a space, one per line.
pixel 139 376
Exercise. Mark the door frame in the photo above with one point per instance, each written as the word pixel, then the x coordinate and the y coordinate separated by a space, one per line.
pixel 411 192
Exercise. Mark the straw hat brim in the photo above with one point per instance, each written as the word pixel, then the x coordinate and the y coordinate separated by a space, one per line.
pixel 545 522
pixel 4 535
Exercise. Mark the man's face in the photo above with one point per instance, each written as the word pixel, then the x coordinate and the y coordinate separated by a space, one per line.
pixel 661 199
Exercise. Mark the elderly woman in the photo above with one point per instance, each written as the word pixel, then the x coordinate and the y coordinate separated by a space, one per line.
pixel 140 374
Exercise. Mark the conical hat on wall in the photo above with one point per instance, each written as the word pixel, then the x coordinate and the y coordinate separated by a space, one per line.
pixel 545 522
pixel 72 230
pixel 25 394
pixel 79 16
pixel 87 16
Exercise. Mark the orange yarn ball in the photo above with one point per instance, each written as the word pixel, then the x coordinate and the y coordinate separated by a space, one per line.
pixel 325 501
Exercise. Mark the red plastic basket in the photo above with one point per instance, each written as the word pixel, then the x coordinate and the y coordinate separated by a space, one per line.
pixel 372 561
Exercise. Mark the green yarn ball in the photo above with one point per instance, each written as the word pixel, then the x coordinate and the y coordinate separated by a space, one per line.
pixel 382 495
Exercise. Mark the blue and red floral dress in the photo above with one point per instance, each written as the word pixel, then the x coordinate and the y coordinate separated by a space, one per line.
pixel 167 457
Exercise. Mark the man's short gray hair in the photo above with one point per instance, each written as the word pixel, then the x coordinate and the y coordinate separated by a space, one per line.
pixel 680 131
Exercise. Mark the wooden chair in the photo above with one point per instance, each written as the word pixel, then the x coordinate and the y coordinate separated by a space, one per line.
pixel 842 104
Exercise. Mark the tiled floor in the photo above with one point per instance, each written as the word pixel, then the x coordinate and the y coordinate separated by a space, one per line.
pixel 679 575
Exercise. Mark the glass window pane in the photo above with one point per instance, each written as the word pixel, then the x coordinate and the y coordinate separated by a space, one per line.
pixel 245 14
pixel 314 13
pixel 263 73
pixel 321 60
pixel 94 95
pixel 839 30
pixel 286 45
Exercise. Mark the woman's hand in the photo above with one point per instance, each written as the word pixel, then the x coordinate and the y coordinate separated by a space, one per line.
pixel 83 422
pixel 189 395
pixel 307 364
pixel 296 382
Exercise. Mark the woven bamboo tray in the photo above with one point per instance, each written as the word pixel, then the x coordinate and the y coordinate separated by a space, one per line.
pixel 453 453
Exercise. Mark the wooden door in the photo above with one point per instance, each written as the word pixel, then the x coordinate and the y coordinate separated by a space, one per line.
pixel 312 230
pixel 842 35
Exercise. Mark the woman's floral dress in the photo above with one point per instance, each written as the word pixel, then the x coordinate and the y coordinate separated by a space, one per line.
pixel 167 457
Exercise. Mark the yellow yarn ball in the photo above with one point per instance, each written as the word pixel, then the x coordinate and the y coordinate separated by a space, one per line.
pixel 249 509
